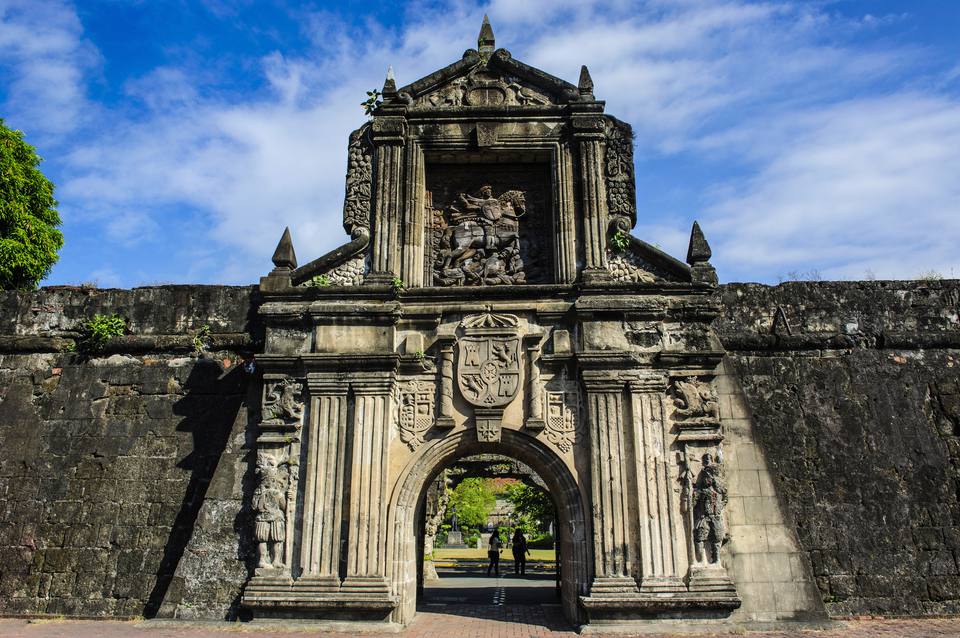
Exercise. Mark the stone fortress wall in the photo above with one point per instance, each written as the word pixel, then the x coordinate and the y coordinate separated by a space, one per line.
pixel 126 477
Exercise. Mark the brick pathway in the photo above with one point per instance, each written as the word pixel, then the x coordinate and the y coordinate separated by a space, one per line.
pixel 473 621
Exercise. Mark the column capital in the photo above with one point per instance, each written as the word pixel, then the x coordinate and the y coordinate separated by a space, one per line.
pixel 372 383
pixel 389 130
pixel 649 383
pixel 602 381
pixel 328 384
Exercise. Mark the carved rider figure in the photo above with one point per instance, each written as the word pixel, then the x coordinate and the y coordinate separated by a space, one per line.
pixel 270 504
pixel 709 501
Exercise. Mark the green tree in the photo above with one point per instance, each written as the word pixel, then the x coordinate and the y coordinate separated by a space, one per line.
pixel 532 506
pixel 474 500
pixel 29 239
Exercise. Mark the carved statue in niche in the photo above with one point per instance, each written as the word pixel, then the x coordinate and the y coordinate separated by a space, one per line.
pixel 709 501
pixel 282 403
pixel 480 242
pixel 695 401
pixel 270 504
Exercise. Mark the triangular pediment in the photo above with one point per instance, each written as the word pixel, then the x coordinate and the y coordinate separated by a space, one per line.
pixel 481 81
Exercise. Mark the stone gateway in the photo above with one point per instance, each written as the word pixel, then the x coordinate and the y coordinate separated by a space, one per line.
pixel 715 454
pixel 501 307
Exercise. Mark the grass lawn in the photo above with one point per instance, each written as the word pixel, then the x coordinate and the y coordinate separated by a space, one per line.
pixel 453 553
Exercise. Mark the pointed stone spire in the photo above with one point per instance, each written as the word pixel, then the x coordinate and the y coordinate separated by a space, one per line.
pixel 389 84
pixel 585 85
pixel 698 256
pixel 485 42
pixel 699 250
pixel 284 257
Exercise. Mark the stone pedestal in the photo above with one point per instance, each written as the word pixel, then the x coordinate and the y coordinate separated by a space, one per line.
pixel 454 539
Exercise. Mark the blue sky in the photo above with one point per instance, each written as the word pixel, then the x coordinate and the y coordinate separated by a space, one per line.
pixel 184 135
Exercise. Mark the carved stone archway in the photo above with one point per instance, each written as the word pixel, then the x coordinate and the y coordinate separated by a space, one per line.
pixel 411 489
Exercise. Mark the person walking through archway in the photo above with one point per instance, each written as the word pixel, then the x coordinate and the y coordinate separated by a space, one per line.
pixel 494 553
pixel 520 552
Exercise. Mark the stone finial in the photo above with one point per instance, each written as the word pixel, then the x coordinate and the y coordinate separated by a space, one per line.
pixel 284 256
pixel 698 256
pixel 585 85
pixel 389 84
pixel 485 41
pixel 699 250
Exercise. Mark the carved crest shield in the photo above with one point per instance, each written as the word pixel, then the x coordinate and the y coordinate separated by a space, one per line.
pixel 416 412
pixel 488 360
pixel 489 369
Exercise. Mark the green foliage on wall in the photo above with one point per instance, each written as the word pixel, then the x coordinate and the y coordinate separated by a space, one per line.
pixel 97 331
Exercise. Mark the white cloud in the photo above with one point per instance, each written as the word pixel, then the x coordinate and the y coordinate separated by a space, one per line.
pixel 864 185
pixel 45 60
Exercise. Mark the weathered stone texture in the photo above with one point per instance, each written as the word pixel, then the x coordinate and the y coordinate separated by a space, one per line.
pixel 856 406
pixel 125 478
pixel 120 474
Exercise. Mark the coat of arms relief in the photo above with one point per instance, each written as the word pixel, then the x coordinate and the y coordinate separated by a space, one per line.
pixel 488 368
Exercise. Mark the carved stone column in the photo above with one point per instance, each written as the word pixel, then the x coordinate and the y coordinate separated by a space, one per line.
pixel 324 483
pixel 389 133
pixel 366 549
pixel 696 415
pixel 274 497
pixel 613 537
pixel 535 419
pixel 661 530
pixel 589 132
pixel 445 416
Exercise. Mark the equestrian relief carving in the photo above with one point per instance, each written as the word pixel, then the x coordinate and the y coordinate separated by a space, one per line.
pixel 480 241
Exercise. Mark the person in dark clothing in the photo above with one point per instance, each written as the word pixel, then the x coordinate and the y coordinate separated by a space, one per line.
pixel 494 553
pixel 520 553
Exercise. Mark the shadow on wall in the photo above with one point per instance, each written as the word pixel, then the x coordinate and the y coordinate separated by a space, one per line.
pixel 212 401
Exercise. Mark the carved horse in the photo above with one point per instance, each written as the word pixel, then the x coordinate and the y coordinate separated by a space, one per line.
pixel 469 237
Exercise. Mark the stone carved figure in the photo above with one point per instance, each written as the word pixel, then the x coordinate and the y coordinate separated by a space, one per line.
pixel 480 243
pixel 282 403
pixel 416 411
pixel 695 400
pixel 709 501
pixel 270 504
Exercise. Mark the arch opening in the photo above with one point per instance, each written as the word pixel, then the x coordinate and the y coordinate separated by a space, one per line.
pixel 408 506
